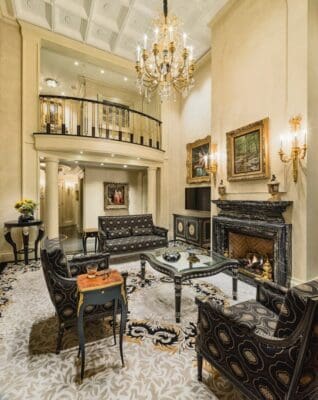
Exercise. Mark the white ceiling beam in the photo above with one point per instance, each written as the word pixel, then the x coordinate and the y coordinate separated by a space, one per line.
pixel 89 19
pixel 123 26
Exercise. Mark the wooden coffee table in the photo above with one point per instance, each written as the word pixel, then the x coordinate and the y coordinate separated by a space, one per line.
pixel 192 264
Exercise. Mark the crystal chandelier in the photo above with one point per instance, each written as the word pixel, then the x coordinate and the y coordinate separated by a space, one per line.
pixel 168 64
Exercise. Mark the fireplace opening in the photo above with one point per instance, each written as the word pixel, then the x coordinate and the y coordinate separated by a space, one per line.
pixel 256 255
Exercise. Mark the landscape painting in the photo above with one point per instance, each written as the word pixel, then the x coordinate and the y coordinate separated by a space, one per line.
pixel 247 151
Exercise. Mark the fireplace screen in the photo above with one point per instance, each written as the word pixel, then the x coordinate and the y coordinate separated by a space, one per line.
pixel 255 254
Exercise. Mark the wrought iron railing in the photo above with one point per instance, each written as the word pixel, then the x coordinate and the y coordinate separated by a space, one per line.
pixel 89 118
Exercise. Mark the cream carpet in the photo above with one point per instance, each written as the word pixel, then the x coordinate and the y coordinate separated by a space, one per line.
pixel 159 354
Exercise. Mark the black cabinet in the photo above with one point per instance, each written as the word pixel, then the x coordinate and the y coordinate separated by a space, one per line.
pixel 194 230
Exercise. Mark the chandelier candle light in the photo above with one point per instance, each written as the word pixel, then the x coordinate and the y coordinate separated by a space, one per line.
pixel 168 64
pixel 297 152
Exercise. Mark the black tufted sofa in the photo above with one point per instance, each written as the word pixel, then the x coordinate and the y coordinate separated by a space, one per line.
pixel 130 233
pixel 60 276
pixel 267 347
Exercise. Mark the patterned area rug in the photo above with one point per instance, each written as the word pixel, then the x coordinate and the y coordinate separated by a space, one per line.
pixel 159 354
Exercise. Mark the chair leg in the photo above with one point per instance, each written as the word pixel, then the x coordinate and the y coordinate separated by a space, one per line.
pixel 200 362
pixel 59 338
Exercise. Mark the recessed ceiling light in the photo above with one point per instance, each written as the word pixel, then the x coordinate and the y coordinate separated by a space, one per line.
pixel 41 158
pixel 113 155
pixel 101 163
pixel 40 87
pixel 138 158
pixel 62 93
pixel 76 63
pixel 125 78
pixel 76 162
pixel 81 152
pixel 102 71
pixel 50 82
pixel 125 166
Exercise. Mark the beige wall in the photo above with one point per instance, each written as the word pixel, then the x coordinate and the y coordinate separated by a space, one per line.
pixel 259 70
pixel 10 126
pixel 94 179
pixel 185 121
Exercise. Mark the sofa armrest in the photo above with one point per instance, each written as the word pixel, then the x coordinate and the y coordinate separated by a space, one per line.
pixel 160 231
pixel 270 294
pixel 78 263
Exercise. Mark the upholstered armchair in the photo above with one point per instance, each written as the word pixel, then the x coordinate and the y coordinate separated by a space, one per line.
pixel 267 347
pixel 60 276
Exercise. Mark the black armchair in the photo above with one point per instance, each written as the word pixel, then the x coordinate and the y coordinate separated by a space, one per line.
pixel 268 348
pixel 60 276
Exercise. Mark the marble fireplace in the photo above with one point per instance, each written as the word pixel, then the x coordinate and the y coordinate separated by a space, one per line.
pixel 255 233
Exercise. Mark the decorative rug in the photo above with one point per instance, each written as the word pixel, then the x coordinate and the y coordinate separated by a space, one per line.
pixel 160 361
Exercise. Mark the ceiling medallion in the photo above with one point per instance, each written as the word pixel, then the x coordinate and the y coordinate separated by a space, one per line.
pixel 167 66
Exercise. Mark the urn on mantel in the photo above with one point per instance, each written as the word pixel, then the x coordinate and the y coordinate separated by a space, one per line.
pixel 273 189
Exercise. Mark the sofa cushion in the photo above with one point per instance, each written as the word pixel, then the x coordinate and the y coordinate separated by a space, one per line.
pixel 118 233
pixel 141 231
pixel 134 243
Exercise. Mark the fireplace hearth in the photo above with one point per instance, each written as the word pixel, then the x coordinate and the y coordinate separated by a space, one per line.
pixel 255 233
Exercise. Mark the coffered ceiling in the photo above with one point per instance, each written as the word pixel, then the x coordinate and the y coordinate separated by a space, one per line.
pixel 115 25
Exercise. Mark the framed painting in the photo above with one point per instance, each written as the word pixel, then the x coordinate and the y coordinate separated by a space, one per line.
pixel 197 158
pixel 115 195
pixel 247 152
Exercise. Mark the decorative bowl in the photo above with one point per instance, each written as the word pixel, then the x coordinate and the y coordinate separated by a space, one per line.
pixel 171 256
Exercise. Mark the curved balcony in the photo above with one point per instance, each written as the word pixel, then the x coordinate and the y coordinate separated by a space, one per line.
pixel 85 118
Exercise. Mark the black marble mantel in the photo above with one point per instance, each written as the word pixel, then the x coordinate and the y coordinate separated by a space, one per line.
pixel 263 219
pixel 261 210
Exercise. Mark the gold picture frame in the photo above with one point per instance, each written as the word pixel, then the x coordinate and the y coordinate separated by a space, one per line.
pixel 247 152
pixel 116 196
pixel 197 157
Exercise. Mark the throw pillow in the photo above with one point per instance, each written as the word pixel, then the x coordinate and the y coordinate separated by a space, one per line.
pixel 139 231
pixel 118 233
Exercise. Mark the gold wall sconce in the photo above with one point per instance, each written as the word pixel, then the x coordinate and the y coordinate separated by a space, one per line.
pixel 297 151
pixel 212 165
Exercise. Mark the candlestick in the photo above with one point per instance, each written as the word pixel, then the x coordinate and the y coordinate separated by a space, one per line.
pixel 170 33
pixel 184 39
pixel 156 34
pixel 145 41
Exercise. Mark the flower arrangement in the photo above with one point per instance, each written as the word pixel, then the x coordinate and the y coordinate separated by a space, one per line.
pixel 26 207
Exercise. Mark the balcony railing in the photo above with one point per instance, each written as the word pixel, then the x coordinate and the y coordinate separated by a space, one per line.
pixel 89 118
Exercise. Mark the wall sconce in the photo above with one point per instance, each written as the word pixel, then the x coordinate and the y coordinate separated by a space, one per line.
pixel 297 152
pixel 212 165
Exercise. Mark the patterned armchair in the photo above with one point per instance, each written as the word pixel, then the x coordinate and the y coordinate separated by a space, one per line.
pixel 60 276
pixel 268 348
pixel 130 233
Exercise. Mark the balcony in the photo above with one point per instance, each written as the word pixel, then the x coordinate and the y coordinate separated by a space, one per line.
pixel 84 118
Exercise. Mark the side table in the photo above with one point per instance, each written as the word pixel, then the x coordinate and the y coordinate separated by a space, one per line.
pixel 25 236
pixel 103 288
pixel 90 233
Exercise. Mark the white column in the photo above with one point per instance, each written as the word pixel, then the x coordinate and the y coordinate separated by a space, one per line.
pixel 152 192
pixel 52 198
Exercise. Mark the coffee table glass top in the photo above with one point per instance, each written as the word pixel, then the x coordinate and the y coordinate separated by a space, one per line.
pixel 190 258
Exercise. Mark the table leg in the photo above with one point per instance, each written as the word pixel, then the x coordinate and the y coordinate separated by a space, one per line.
pixel 177 289
pixel 115 306
pixel 123 318
pixel 95 244
pixel 81 336
pixel 25 236
pixel 8 238
pixel 143 272
pixel 84 239
pixel 37 241
pixel 234 281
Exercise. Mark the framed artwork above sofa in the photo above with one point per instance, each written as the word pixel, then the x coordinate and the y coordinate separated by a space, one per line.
pixel 116 196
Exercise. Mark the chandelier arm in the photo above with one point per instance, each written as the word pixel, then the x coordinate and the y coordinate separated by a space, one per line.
pixel 149 74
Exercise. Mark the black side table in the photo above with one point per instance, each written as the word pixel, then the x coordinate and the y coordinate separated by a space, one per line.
pixel 90 233
pixel 25 236
pixel 99 291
